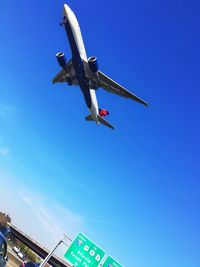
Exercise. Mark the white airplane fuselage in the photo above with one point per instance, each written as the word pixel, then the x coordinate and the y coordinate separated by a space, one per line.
pixel 78 57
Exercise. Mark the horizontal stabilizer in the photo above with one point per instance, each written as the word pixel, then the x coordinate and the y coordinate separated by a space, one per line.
pixel 89 118
pixel 100 119
pixel 106 123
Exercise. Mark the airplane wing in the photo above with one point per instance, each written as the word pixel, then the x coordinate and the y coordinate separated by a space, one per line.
pixel 60 77
pixel 67 75
pixel 111 86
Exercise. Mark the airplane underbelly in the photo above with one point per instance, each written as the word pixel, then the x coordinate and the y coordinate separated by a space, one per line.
pixel 78 55
pixel 74 33
pixel 94 105
pixel 87 97
pixel 91 101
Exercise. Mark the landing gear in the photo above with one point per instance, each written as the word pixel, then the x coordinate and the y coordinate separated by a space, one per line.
pixel 69 81
pixel 62 23
pixel 93 85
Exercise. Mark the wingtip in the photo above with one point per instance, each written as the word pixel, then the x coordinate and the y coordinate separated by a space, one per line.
pixel 146 104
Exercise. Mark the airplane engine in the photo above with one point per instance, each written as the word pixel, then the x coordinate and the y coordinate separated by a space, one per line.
pixel 93 64
pixel 61 59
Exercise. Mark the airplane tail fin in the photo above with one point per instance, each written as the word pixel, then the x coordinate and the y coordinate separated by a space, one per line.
pixel 101 120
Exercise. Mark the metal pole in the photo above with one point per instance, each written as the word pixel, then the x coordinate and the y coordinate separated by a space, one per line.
pixel 50 254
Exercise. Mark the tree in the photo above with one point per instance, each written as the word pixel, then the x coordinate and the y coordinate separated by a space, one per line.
pixel 4 220
pixel 31 255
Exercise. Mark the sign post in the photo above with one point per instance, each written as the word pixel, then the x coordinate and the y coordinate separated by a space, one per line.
pixel 84 253
pixel 50 254
pixel 110 262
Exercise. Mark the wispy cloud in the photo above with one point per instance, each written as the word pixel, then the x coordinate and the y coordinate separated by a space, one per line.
pixel 44 219
pixel 55 219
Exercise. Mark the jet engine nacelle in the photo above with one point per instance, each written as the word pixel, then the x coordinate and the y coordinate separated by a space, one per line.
pixel 93 64
pixel 61 59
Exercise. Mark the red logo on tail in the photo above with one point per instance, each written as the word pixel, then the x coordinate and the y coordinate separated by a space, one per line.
pixel 103 112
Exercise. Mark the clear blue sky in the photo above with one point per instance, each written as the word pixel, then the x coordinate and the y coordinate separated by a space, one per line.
pixel 134 191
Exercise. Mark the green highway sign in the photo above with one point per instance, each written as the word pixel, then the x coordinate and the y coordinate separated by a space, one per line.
pixel 84 253
pixel 110 262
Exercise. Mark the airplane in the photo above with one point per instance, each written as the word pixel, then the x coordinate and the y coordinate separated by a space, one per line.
pixel 84 72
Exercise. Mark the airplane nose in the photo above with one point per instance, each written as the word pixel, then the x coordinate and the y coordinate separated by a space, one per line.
pixel 66 11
